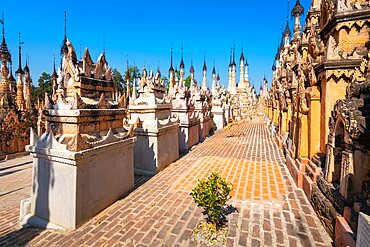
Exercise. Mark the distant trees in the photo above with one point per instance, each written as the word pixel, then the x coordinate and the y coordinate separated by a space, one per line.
pixel 166 83
pixel 45 85
pixel 118 79
pixel 188 81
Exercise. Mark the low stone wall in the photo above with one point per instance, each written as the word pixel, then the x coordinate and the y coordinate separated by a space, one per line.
pixel 324 209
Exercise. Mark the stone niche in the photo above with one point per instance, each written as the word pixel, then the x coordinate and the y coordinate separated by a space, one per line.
pixel 156 131
pixel 183 109
pixel 83 162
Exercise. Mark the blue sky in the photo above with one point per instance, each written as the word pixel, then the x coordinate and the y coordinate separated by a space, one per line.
pixel 143 31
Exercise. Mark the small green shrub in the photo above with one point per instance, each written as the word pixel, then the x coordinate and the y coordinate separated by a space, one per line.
pixel 212 194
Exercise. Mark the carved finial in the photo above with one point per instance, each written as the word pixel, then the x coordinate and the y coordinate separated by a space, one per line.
pixel 171 67
pixel 287 13
pixel 65 24
pixel 191 67
pixel 182 65
pixel 54 75
pixel 104 44
pixel 214 68
pixel 2 21
pixel 4 52
pixel 204 63
pixel 234 54
pixel 19 70
pixel 63 47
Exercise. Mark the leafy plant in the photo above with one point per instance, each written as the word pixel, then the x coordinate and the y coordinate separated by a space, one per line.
pixel 212 194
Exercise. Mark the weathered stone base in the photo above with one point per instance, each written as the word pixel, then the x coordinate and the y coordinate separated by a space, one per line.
pixel 204 129
pixel 69 188
pixel 155 149
pixel 324 209
pixel 188 136
pixel 218 119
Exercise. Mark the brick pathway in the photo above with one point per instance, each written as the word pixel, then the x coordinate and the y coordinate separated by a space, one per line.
pixel 271 211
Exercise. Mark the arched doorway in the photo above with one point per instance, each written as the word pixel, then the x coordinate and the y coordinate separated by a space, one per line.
pixel 339 148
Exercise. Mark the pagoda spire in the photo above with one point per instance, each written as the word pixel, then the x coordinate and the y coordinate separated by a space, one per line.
pixel 27 85
pixel 4 52
pixel 204 63
pixel 234 55
pixel 297 12
pixel 192 82
pixel 4 57
pixel 241 67
pixel 182 65
pixel 63 47
pixel 54 75
pixel 171 73
pixel 214 68
pixel 233 72
pixel 246 71
pixel 133 98
pixel 214 78
pixel 19 100
pixel 19 70
pixel 55 83
pixel 287 31
pixel 171 67
pixel 204 84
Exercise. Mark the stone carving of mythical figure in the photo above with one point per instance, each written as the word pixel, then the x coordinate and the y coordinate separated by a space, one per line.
pixel 157 79
pixel 151 77
pixel 143 81
pixel 311 70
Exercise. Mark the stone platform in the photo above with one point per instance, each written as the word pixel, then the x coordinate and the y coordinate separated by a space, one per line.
pixel 271 211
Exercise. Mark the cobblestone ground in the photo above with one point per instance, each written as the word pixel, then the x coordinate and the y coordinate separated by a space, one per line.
pixel 271 211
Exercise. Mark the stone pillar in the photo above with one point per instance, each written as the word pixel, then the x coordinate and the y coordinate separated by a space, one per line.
pixel 313 122
pixel 303 137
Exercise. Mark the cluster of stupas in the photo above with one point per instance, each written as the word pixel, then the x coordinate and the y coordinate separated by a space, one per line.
pixel 88 137
pixel 17 113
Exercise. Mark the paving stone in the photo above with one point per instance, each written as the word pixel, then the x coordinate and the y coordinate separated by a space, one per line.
pixel 267 239
pixel 243 238
pixel 255 243
pixel 271 211
pixel 266 225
